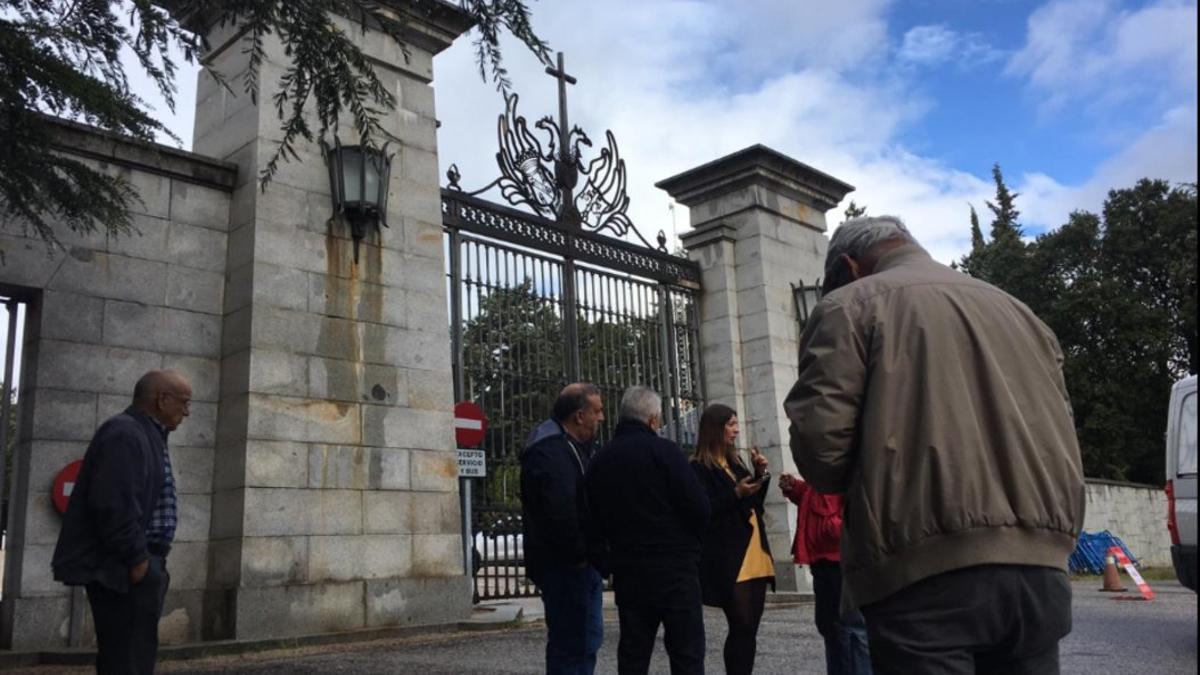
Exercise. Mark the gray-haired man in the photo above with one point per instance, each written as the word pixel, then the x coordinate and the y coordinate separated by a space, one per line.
pixel 647 513
pixel 936 402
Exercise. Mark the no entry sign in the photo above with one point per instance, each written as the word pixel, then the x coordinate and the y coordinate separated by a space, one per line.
pixel 64 485
pixel 469 424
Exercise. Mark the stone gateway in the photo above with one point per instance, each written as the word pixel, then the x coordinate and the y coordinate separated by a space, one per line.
pixel 317 477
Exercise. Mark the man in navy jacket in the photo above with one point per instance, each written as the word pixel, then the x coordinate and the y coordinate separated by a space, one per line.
pixel 120 523
pixel 648 512
pixel 554 510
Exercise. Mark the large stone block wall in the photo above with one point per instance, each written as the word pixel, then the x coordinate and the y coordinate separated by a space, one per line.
pixel 102 312
pixel 336 498
pixel 1135 513
pixel 317 472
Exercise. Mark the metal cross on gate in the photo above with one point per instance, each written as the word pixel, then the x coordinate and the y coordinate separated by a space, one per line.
pixel 570 267
pixel 566 170
pixel 566 174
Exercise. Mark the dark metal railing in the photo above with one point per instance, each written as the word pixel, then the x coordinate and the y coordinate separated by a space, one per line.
pixel 527 318
pixel 463 212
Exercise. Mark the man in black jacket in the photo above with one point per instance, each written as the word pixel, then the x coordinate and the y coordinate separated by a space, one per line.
pixel 647 512
pixel 554 511
pixel 121 520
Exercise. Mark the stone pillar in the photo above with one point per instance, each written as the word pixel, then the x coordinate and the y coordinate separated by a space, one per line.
pixel 758 223
pixel 335 499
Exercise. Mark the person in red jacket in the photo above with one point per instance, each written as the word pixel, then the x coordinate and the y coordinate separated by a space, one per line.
pixel 818 540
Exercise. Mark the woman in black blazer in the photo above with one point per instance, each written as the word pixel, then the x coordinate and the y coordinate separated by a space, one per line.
pixel 735 561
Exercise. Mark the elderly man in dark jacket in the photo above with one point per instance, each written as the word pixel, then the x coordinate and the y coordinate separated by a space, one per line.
pixel 648 512
pixel 120 523
pixel 554 511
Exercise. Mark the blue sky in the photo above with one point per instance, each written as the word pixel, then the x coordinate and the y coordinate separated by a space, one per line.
pixel 972 99
pixel 909 100
pixel 982 111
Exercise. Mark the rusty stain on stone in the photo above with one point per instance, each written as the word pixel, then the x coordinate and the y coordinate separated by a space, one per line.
pixel 447 468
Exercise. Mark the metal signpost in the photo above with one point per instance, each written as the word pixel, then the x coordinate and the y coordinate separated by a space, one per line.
pixel 470 428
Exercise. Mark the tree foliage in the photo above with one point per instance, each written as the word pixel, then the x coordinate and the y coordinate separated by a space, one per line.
pixel 513 366
pixel 853 210
pixel 514 356
pixel 62 58
pixel 1119 291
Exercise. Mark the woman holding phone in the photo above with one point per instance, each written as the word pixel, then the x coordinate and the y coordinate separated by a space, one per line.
pixel 735 559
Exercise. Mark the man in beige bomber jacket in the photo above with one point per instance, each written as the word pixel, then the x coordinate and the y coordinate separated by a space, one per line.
pixel 936 403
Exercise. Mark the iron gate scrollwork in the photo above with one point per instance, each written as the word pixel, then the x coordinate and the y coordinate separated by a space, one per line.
pixel 539 299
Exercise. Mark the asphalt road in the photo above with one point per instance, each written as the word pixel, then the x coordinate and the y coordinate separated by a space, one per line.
pixel 1109 636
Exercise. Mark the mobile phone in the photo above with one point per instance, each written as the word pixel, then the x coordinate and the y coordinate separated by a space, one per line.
pixel 764 478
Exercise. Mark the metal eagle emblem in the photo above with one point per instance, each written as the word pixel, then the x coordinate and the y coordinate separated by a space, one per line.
pixel 541 167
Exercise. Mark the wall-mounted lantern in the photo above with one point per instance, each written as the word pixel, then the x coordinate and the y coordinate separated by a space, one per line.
pixel 806 299
pixel 358 182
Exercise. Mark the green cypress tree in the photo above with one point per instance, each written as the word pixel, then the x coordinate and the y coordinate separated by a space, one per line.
pixel 1004 225
pixel 855 211
pixel 974 262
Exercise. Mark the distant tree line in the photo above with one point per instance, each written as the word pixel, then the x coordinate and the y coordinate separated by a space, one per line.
pixel 1119 291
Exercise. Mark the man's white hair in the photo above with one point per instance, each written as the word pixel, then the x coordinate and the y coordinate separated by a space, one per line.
pixel 856 236
pixel 640 403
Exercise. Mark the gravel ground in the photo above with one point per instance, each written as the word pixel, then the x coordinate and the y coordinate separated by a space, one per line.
pixel 1109 636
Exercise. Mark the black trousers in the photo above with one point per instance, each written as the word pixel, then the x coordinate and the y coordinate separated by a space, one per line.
pixel 1002 619
pixel 683 636
pixel 127 623
pixel 743 612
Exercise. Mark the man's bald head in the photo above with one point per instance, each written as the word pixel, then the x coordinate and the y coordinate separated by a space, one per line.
pixel 164 395
pixel 156 382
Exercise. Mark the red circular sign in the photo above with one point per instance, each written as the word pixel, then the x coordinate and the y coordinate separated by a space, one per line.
pixel 64 484
pixel 469 424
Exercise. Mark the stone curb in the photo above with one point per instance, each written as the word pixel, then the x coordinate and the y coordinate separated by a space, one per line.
pixel 200 650
pixel 787 599
pixel 501 617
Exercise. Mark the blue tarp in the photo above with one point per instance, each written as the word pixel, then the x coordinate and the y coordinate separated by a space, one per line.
pixel 1091 550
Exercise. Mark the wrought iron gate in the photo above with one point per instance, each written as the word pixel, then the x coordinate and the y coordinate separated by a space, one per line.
pixel 541 299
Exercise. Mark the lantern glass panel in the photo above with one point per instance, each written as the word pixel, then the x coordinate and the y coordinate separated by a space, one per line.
pixel 812 295
pixel 371 180
pixel 352 174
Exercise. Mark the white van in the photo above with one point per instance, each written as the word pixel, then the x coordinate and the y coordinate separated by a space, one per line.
pixel 1181 479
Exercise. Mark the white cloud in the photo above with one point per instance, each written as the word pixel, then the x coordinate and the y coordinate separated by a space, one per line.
pixel 681 82
pixel 770 35
pixel 1091 51
pixel 1167 151
pixel 928 44
pixel 651 81
pixel 936 44
pixel 1105 61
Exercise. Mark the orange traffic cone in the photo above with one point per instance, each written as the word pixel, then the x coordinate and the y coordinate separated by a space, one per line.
pixel 1112 579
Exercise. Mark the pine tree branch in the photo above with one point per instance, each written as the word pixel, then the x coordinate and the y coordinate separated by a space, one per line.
pixel 63 57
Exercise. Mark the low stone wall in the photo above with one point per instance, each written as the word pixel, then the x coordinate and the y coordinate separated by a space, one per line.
pixel 1135 513
pixel 102 311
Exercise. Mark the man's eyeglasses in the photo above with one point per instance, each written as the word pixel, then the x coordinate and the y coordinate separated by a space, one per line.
pixel 185 402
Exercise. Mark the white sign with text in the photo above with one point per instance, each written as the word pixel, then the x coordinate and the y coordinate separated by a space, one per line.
pixel 471 463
